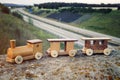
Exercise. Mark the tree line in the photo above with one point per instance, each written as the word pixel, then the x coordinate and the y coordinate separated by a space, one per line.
pixel 85 10
pixel 56 5
pixel 79 7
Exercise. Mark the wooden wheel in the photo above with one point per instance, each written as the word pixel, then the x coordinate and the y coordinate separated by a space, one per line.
pixel 89 52
pixel 19 59
pixel 72 53
pixel 54 53
pixel 107 51
pixel 38 55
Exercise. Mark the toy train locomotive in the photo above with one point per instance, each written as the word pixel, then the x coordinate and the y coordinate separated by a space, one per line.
pixel 33 48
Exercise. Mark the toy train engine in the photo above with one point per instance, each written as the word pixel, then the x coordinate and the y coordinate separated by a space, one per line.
pixel 32 50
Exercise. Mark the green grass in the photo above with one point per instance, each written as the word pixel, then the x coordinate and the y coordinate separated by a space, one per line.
pixel 14 28
pixel 103 23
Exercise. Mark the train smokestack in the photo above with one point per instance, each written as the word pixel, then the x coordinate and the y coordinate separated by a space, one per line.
pixel 12 43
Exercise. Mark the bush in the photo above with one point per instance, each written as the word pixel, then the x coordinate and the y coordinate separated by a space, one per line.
pixel 118 7
pixel 30 21
pixel 4 9
pixel 104 11
pixel 17 15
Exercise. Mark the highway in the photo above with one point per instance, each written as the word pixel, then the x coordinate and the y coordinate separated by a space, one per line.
pixel 56 31
pixel 65 30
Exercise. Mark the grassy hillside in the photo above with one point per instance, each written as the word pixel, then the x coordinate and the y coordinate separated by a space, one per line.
pixel 14 28
pixel 107 23
pixel 103 23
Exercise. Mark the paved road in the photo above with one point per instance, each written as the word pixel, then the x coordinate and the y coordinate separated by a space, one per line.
pixel 55 30
pixel 60 26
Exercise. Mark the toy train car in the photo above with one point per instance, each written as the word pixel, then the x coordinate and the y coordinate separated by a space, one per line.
pixel 96 45
pixel 33 49
pixel 54 49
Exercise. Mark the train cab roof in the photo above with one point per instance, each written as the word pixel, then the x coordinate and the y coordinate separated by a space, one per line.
pixel 34 41
pixel 62 40
pixel 96 38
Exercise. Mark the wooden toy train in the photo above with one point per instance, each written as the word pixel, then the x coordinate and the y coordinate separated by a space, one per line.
pixel 33 49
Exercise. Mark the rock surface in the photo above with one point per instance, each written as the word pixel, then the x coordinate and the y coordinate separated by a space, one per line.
pixel 80 67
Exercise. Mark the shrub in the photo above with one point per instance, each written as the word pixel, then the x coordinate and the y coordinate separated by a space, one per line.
pixel 4 9
pixel 17 15
pixel 118 7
